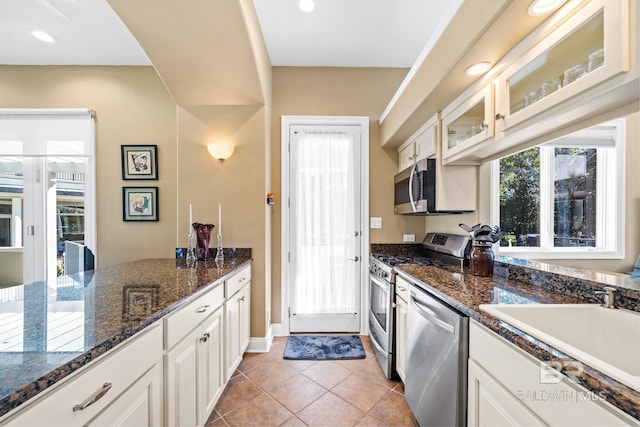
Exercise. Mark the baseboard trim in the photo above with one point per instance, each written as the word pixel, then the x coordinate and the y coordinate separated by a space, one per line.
pixel 262 344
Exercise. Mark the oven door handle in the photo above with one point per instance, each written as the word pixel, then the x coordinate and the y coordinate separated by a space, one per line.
pixel 411 199
pixel 430 316
pixel 379 283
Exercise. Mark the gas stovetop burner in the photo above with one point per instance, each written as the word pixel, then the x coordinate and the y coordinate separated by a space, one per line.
pixel 394 260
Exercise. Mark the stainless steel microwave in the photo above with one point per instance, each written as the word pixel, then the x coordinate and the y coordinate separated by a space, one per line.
pixel 415 190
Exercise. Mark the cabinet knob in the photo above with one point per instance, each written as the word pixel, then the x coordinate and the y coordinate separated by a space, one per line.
pixel 242 299
pixel 203 309
pixel 500 116
pixel 205 337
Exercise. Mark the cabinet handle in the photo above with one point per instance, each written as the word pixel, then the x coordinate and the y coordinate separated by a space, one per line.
pixel 401 289
pixel 203 309
pixel 93 398
pixel 205 337
pixel 499 116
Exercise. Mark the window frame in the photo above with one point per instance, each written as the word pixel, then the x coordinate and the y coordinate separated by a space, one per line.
pixel 610 213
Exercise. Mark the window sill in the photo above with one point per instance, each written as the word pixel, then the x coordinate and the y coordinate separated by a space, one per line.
pixel 570 253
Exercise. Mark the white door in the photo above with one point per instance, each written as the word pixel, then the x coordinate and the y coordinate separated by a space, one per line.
pixel 324 228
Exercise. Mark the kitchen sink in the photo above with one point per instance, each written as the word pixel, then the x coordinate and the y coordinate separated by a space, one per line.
pixel 606 339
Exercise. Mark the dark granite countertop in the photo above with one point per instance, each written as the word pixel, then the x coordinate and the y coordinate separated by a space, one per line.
pixel 60 327
pixel 520 282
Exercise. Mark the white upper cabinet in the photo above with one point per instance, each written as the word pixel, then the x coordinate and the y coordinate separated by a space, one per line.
pixel 421 145
pixel 467 124
pixel 573 70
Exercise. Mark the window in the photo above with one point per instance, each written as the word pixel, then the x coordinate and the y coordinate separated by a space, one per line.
pixel 565 198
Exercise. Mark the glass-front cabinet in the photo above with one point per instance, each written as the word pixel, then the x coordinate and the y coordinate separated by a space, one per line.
pixel 577 66
pixel 589 48
pixel 467 124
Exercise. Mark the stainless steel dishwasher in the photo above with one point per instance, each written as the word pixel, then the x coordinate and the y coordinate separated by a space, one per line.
pixel 437 353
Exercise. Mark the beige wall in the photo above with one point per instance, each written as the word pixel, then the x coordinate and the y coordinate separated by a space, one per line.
pixel 132 107
pixel 632 208
pixel 238 184
pixel 339 92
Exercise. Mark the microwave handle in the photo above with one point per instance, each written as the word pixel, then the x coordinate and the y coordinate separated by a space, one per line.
pixel 413 203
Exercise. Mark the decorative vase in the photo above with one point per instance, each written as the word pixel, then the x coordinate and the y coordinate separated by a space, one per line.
pixel 481 259
pixel 203 237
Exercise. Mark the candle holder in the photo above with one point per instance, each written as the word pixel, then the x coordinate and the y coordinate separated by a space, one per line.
pixel 220 251
pixel 190 256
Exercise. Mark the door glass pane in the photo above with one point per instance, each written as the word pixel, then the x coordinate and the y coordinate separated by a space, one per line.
pixel 66 182
pixel 575 197
pixel 323 201
pixel 520 198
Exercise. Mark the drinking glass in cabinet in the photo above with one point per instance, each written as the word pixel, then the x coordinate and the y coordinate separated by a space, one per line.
pixel 550 86
pixel 574 73
pixel 596 59
pixel 532 97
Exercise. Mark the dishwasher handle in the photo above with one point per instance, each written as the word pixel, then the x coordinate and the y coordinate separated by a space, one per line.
pixel 431 316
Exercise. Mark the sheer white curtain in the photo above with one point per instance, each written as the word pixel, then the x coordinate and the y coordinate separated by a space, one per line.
pixel 324 218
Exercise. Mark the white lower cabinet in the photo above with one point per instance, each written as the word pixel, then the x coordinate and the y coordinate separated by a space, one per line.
pixel 509 387
pixel 402 295
pixel 123 388
pixel 194 368
pixel 238 308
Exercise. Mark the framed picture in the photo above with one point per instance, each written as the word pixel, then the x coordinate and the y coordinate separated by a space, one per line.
pixel 139 162
pixel 139 302
pixel 140 203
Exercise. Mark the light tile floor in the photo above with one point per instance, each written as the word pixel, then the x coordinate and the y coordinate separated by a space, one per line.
pixel 268 390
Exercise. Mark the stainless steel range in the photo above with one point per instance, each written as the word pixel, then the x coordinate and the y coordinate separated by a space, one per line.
pixel 436 249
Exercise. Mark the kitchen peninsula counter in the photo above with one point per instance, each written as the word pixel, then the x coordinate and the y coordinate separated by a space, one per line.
pixel 102 309
pixel 517 284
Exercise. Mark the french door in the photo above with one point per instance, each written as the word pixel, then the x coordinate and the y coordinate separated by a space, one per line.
pixel 47 189
pixel 324 227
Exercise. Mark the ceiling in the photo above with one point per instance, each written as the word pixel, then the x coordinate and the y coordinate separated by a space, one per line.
pixel 340 33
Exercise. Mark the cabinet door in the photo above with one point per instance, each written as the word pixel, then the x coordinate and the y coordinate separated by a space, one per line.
pixel 406 156
pixel 401 336
pixel 490 404
pixel 245 318
pixel 426 143
pixel 238 318
pixel 211 372
pixel 233 333
pixel 467 125
pixel 589 48
pixel 181 377
pixel 140 405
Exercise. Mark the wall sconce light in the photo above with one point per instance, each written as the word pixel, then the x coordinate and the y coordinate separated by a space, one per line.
pixel 221 150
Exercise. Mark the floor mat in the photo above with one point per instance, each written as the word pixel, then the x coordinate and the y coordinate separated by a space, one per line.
pixel 324 347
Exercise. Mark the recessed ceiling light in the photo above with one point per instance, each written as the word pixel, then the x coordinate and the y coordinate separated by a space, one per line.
pixel 306 5
pixel 42 36
pixel 478 68
pixel 542 7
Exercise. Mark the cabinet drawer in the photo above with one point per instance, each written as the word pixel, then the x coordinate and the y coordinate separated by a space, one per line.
pixel 121 368
pixel 237 281
pixel 178 324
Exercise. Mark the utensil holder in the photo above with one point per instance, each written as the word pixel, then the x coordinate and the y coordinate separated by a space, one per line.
pixel 481 259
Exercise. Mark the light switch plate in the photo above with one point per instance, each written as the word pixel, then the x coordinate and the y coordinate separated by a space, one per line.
pixel 376 222
pixel 408 237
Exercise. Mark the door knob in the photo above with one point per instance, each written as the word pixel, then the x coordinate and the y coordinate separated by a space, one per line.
pixel 356 259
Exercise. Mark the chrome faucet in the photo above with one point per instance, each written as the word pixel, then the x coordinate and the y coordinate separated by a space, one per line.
pixel 609 298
